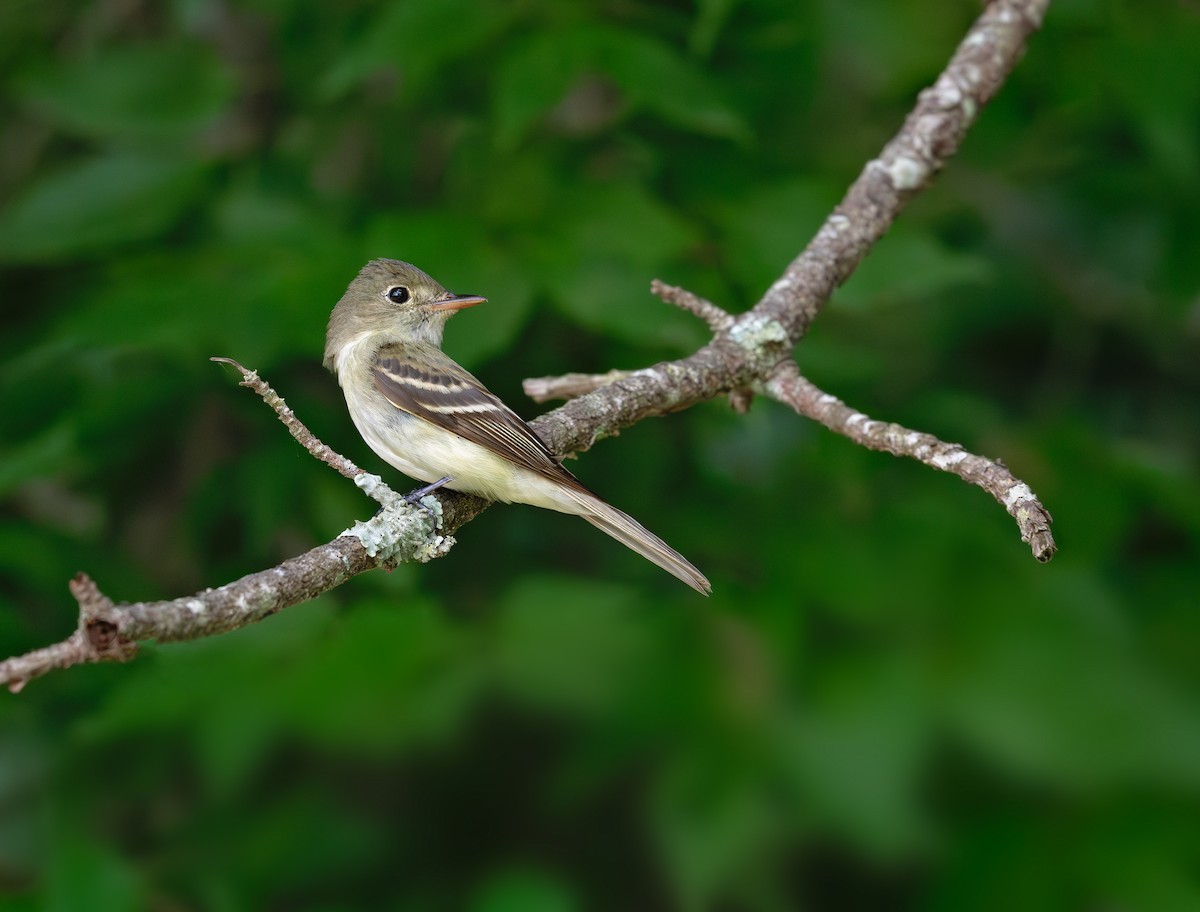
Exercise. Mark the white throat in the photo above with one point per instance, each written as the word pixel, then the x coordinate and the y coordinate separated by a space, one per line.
pixel 359 350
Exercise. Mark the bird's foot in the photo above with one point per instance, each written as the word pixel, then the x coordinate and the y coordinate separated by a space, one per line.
pixel 414 498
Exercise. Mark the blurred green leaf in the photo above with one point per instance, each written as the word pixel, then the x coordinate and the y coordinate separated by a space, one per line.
pixel 175 682
pixel 23 556
pixel 613 242
pixel 414 38
pixel 764 229
pixel 46 454
pixel 533 77
pixel 24 761
pixel 569 645
pixel 293 850
pixel 96 205
pixel 856 752
pixel 1041 694
pixel 520 889
pixel 252 304
pixel 401 676
pixel 1142 854
pixel 654 75
pixel 651 76
pixel 232 743
pixel 714 825
pixel 143 92
pixel 84 873
pixel 911 268
pixel 711 16
pixel 1004 862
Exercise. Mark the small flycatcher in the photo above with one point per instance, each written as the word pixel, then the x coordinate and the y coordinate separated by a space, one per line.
pixel 432 420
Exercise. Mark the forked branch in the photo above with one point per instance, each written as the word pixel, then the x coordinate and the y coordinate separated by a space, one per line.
pixel 749 351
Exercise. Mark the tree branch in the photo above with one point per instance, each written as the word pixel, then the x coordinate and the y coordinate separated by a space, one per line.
pixel 302 435
pixel 746 351
pixel 749 348
pixel 931 134
pixel 1033 519
pixel 787 386
pixel 398 533
pixel 754 348
pixel 716 318
pixel 568 386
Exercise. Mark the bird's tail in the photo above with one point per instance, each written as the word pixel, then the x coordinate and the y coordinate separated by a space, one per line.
pixel 633 535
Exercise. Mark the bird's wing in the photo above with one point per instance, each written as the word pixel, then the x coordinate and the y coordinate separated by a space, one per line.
pixel 435 388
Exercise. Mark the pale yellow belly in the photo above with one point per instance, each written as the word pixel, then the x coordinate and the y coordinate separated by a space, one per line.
pixel 427 453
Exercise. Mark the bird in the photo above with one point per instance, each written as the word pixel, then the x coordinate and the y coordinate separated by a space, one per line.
pixel 427 416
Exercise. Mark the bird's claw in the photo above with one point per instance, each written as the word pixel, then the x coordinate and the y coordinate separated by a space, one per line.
pixel 414 498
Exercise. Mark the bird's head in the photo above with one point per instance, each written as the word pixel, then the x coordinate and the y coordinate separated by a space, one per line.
pixel 395 300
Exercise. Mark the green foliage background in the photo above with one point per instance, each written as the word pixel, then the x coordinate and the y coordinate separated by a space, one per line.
pixel 885 704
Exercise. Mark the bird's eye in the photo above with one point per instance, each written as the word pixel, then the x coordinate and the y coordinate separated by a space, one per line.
pixel 397 294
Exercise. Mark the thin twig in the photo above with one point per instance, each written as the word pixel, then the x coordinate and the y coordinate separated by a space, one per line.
pixel 295 426
pixel 18 671
pixel 568 386
pixel 1033 519
pixel 717 319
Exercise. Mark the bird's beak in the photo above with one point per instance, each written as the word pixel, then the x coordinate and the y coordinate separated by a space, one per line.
pixel 453 302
